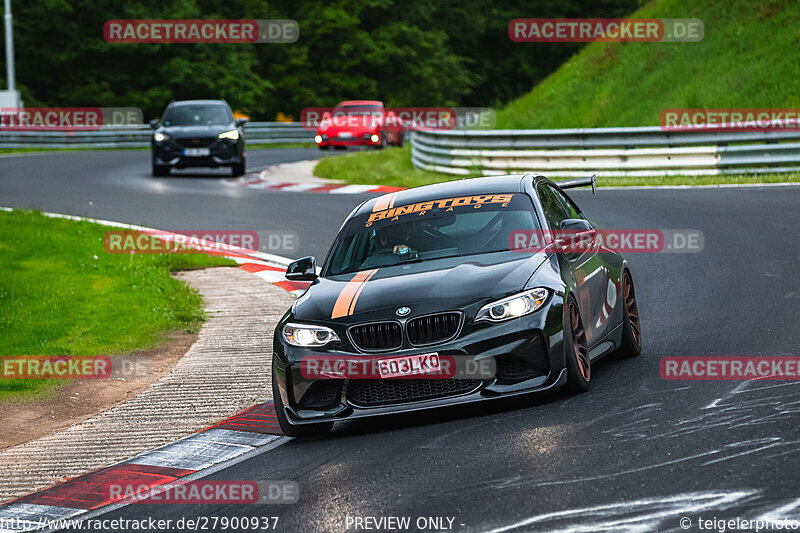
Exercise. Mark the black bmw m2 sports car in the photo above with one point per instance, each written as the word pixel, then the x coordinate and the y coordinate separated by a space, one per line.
pixel 425 300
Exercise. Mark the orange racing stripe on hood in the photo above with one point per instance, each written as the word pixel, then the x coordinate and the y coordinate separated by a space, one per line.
pixel 346 302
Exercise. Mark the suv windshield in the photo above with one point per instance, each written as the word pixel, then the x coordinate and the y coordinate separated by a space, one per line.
pixel 197 115
pixel 435 229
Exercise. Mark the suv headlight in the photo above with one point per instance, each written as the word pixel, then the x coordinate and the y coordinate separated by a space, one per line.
pixel 513 306
pixel 232 135
pixel 160 137
pixel 306 335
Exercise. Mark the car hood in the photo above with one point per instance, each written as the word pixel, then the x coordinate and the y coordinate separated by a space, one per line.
pixel 426 287
pixel 181 132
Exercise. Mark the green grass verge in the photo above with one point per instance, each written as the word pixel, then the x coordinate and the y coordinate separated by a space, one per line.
pixel 793 177
pixel 61 293
pixel 390 166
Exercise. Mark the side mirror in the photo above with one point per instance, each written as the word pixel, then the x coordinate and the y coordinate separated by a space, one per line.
pixel 569 228
pixel 576 225
pixel 154 123
pixel 240 122
pixel 304 269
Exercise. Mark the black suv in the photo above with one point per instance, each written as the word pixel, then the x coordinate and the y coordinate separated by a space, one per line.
pixel 197 133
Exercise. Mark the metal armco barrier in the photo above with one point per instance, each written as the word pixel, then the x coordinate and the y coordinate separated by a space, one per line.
pixel 137 136
pixel 645 151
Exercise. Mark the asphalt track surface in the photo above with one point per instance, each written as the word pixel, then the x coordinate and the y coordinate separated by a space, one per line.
pixel 635 453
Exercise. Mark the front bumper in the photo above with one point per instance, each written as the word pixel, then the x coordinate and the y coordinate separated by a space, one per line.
pixel 221 153
pixel 357 139
pixel 527 353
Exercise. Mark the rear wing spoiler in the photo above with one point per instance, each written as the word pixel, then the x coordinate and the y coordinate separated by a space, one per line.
pixel 580 182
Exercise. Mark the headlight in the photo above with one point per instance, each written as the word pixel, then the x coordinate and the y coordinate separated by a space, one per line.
pixel 232 135
pixel 374 138
pixel 318 139
pixel 306 335
pixel 160 137
pixel 513 306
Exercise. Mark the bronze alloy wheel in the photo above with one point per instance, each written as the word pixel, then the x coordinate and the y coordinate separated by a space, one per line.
pixel 579 349
pixel 633 310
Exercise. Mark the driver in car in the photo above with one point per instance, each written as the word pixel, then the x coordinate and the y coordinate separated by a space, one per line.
pixel 389 235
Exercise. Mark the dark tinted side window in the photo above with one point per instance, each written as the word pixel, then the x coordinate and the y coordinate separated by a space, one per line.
pixel 553 206
pixel 556 206
pixel 567 206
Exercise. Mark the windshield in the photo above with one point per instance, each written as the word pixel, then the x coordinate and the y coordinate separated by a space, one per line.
pixel 448 227
pixel 197 115
pixel 351 110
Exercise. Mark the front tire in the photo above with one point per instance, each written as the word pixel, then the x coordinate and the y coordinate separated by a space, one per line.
pixel 300 431
pixel 160 171
pixel 631 326
pixel 238 169
pixel 576 351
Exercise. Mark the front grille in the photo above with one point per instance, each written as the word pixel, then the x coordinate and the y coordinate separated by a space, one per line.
pixel 431 329
pixel 377 336
pixel 375 392
pixel 196 142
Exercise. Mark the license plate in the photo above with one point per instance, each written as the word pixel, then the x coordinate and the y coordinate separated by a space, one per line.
pixel 345 135
pixel 409 365
pixel 196 152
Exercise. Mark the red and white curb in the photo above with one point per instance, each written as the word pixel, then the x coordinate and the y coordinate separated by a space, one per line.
pixel 254 182
pixel 252 431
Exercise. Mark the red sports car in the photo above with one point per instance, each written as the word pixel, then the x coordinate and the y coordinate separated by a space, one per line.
pixel 359 123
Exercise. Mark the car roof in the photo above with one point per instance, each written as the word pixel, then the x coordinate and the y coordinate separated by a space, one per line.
pixel 359 102
pixel 447 189
pixel 195 102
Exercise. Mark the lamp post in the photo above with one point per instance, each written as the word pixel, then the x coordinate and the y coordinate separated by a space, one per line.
pixel 12 82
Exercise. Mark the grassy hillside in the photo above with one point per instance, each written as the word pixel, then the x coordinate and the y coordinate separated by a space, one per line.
pixel 749 57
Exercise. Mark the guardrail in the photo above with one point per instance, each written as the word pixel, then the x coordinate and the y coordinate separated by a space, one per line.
pixel 645 151
pixel 137 136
